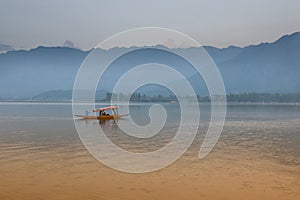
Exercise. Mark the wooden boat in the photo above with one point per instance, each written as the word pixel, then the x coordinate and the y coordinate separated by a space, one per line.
pixel 102 115
pixel 110 117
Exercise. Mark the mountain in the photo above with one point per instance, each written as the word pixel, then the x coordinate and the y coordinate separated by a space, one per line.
pixel 61 95
pixel 28 73
pixel 264 68
pixel 267 67
pixel 5 48
pixel 68 44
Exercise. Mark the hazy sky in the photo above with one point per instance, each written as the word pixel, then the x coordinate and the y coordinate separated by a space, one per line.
pixel 29 23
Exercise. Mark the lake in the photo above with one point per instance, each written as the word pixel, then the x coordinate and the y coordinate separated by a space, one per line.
pixel 256 157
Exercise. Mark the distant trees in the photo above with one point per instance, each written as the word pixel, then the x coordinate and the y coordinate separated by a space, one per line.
pixel 243 97
pixel 138 97
pixel 264 97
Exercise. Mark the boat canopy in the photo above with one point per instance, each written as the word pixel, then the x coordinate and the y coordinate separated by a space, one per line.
pixel 105 108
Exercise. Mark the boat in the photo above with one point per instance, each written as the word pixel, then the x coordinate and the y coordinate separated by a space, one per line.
pixel 102 115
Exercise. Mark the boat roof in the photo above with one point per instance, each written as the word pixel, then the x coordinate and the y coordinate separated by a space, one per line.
pixel 105 108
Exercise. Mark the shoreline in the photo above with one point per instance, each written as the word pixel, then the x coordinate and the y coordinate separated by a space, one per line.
pixel 145 103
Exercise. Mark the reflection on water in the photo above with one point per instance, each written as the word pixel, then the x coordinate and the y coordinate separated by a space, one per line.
pixel 257 156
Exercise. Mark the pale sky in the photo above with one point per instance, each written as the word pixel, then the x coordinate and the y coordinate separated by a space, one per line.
pixel 30 23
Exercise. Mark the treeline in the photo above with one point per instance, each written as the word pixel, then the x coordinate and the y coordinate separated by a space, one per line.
pixel 243 97
pixel 264 97
pixel 138 97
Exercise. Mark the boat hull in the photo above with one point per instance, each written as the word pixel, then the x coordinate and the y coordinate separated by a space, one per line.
pixel 104 117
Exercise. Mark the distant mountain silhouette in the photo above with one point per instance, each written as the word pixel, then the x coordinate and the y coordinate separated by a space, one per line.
pixel 267 67
pixel 69 44
pixel 61 95
pixel 27 73
pixel 5 48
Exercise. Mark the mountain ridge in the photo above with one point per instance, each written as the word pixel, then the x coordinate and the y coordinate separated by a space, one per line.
pixel 266 67
pixel 297 34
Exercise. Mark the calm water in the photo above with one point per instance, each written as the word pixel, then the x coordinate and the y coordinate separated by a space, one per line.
pixel 256 157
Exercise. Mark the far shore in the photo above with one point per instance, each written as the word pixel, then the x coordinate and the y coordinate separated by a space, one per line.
pixel 137 103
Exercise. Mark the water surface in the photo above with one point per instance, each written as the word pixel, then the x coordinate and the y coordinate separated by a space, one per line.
pixel 256 157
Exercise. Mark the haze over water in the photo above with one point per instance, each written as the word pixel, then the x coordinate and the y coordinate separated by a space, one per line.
pixel 256 157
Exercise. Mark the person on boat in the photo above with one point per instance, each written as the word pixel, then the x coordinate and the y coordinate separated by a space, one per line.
pixel 86 113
